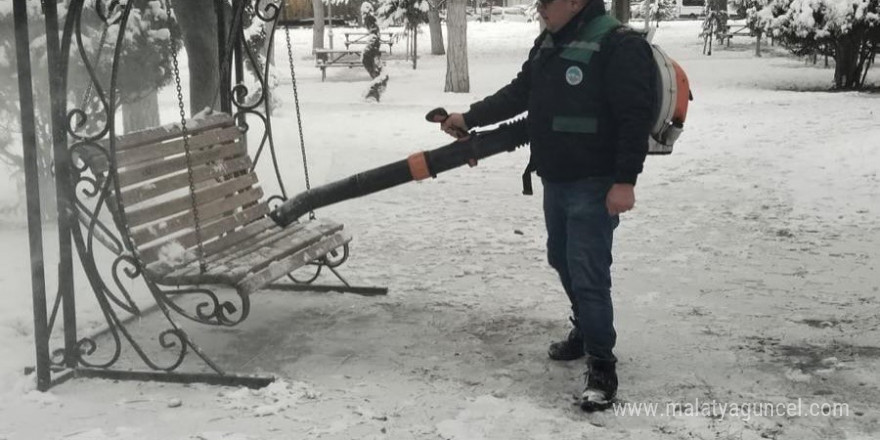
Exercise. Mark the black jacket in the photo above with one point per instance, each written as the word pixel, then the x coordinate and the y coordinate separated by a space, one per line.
pixel 619 84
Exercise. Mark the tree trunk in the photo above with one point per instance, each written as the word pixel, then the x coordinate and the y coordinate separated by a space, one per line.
pixel 457 80
pixel 199 24
pixel 141 114
pixel 846 57
pixel 436 30
pixel 318 27
pixel 415 37
pixel 758 44
pixel 620 10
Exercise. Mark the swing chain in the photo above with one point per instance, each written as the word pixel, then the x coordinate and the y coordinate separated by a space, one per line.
pixel 186 149
pixel 302 142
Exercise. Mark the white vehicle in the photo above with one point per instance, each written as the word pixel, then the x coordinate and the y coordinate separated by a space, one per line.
pixel 515 13
pixel 691 8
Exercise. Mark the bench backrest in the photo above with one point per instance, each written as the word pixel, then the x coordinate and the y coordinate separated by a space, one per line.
pixel 155 189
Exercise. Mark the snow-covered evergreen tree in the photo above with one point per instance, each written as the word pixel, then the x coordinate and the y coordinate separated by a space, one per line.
pixel 144 65
pixel 847 30
pixel 659 10
pixel 372 55
pixel 409 13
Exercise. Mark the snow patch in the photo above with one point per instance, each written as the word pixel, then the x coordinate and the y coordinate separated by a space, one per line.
pixel 215 435
pixel 172 253
pixel 120 433
pixel 268 401
pixel 4 57
pixel 797 375
pixel 488 417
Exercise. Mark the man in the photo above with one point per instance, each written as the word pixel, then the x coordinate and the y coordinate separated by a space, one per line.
pixel 588 86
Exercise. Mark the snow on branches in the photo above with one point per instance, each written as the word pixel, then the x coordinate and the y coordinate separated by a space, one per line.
pixel 847 30
pixel 410 13
pixel 818 19
pixel 371 56
pixel 143 65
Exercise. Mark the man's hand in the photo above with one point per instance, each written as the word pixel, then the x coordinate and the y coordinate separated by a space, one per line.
pixel 621 198
pixel 454 126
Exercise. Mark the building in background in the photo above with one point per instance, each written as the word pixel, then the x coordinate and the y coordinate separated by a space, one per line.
pixel 300 13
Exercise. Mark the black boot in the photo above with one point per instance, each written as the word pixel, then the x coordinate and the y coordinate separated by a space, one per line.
pixel 568 349
pixel 601 385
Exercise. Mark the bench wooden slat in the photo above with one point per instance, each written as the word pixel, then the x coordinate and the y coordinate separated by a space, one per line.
pixel 251 242
pixel 158 169
pixel 278 249
pixel 159 151
pixel 208 213
pixel 240 266
pixel 303 248
pixel 242 220
pixel 218 229
pixel 134 195
pixel 155 135
pixel 200 141
pixel 150 252
pixel 147 214
pixel 266 238
pixel 278 269
pixel 229 241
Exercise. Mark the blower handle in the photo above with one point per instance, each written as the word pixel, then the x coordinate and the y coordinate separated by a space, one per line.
pixel 439 115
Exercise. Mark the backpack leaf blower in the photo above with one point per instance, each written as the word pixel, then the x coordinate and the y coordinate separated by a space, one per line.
pixel 418 166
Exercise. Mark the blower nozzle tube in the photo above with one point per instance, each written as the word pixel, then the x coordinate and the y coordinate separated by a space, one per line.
pixel 418 166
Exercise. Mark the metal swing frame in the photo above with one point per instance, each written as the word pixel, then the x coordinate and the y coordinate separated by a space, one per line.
pixel 82 198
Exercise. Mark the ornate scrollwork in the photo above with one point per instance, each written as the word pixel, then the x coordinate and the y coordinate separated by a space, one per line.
pixel 311 279
pixel 267 10
pixel 87 346
pixel 212 310
pixel 110 13
pixel 132 270
pixel 84 155
pixel 78 119
pixel 241 97
pixel 331 261
pixel 334 259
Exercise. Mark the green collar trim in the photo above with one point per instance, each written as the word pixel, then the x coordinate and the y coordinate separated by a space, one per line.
pixel 587 43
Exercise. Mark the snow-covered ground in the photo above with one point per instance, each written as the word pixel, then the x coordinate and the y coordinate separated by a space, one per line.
pixel 747 274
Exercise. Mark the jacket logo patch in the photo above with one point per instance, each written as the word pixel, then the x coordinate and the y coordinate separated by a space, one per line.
pixel 574 75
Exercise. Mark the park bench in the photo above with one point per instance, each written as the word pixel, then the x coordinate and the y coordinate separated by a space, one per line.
pixel 363 38
pixel 226 217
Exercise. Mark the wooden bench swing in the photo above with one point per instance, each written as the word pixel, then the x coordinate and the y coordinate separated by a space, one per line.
pixel 202 219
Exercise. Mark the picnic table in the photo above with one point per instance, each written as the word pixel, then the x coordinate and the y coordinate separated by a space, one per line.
pixel 325 58
pixel 730 32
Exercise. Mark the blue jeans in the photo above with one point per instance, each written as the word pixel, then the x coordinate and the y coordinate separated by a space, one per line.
pixel 579 236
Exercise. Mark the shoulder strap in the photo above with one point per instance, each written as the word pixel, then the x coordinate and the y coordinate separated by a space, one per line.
pixel 614 36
